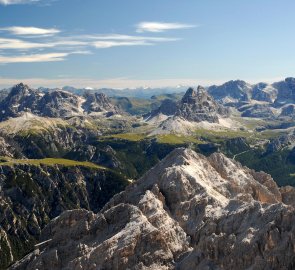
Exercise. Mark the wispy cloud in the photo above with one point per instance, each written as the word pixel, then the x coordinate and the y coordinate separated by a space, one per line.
pixel 14 2
pixel 99 42
pixel 127 37
pixel 34 58
pixel 56 45
pixel 18 44
pixel 109 44
pixel 48 57
pixel 157 27
pixel 30 31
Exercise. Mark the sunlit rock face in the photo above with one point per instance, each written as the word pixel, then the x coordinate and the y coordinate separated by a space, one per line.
pixel 188 212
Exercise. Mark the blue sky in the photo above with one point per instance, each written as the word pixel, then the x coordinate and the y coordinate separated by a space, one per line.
pixel 113 43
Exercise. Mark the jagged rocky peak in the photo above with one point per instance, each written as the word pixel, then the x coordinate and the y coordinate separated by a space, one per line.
pixel 188 212
pixel 199 106
pixel 99 102
pixel 52 103
pixel 20 99
pixel 195 106
pixel 19 89
pixel 191 95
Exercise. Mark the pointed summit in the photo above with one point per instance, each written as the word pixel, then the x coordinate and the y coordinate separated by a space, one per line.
pixel 199 106
pixel 192 95
pixel 189 95
pixel 19 89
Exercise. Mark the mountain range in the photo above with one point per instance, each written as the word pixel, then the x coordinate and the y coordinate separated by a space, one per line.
pixel 57 103
pixel 252 100
pixel 186 168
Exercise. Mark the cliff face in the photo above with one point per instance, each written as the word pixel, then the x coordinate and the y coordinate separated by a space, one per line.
pixel 188 212
pixel 32 195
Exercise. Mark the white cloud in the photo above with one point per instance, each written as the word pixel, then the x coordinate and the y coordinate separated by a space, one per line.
pixel 70 43
pixel 33 58
pixel 20 30
pixel 13 2
pixel 109 44
pixel 157 27
pixel 127 38
pixel 52 44
pixel 18 44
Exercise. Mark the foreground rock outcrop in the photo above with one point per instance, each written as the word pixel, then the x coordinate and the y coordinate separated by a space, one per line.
pixel 188 212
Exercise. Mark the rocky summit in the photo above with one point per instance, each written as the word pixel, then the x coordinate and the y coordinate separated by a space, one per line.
pixel 188 212
pixel 199 106
pixel 195 106
pixel 53 103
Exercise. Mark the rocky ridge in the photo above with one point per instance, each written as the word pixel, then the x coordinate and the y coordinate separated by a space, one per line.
pixel 188 212
pixel 195 106
pixel 56 103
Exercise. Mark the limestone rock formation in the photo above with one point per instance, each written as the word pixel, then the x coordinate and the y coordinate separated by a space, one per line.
pixel 188 212
pixel 199 106
pixel 53 103
pixel 99 102
pixel 195 106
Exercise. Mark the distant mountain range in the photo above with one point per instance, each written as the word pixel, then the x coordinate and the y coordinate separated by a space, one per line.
pixel 232 91
pixel 259 101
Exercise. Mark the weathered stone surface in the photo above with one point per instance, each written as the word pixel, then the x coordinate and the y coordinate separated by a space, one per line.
pixel 188 212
